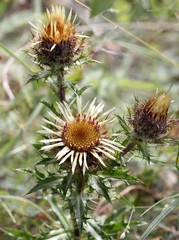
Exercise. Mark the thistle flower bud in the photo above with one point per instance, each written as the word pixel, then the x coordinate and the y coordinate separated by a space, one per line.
pixel 55 42
pixel 150 120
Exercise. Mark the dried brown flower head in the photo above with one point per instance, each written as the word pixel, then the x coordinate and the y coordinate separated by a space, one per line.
pixel 56 40
pixel 150 120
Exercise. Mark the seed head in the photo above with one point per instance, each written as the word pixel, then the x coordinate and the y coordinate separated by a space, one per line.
pixel 56 42
pixel 150 118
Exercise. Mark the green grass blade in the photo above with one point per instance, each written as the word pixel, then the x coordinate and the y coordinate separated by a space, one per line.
pixel 8 211
pixel 60 215
pixel 27 201
pixel 15 57
pixel 159 218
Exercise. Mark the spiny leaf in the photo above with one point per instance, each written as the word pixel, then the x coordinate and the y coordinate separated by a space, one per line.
pixel 66 183
pixel 119 174
pixel 84 60
pixel 46 183
pixel 40 175
pixel 50 106
pixel 142 146
pixel 80 91
pixel 46 161
pixel 124 125
pixel 41 75
pixel 100 187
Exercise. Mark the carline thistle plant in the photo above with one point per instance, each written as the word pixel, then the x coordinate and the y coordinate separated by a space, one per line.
pixel 78 139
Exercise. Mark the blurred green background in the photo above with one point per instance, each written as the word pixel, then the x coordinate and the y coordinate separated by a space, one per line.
pixel 137 43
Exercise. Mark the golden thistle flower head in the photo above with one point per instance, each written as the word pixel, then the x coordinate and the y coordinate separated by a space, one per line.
pixel 81 139
pixel 56 40
pixel 150 118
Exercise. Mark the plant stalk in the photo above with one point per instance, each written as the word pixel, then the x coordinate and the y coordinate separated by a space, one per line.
pixel 77 210
pixel 76 232
pixel 127 149
pixel 61 90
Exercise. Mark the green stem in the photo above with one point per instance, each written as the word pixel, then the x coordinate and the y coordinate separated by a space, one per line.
pixel 77 209
pixel 61 91
pixel 80 183
pixel 76 232
pixel 127 149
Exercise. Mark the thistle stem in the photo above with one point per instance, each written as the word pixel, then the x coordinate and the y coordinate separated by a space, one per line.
pixel 80 183
pixel 60 80
pixel 78 210
pixel 128 148
pixel 76 232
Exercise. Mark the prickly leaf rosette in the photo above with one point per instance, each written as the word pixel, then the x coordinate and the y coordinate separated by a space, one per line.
pixel 56 42
pixel 81 139
pixel 150 118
